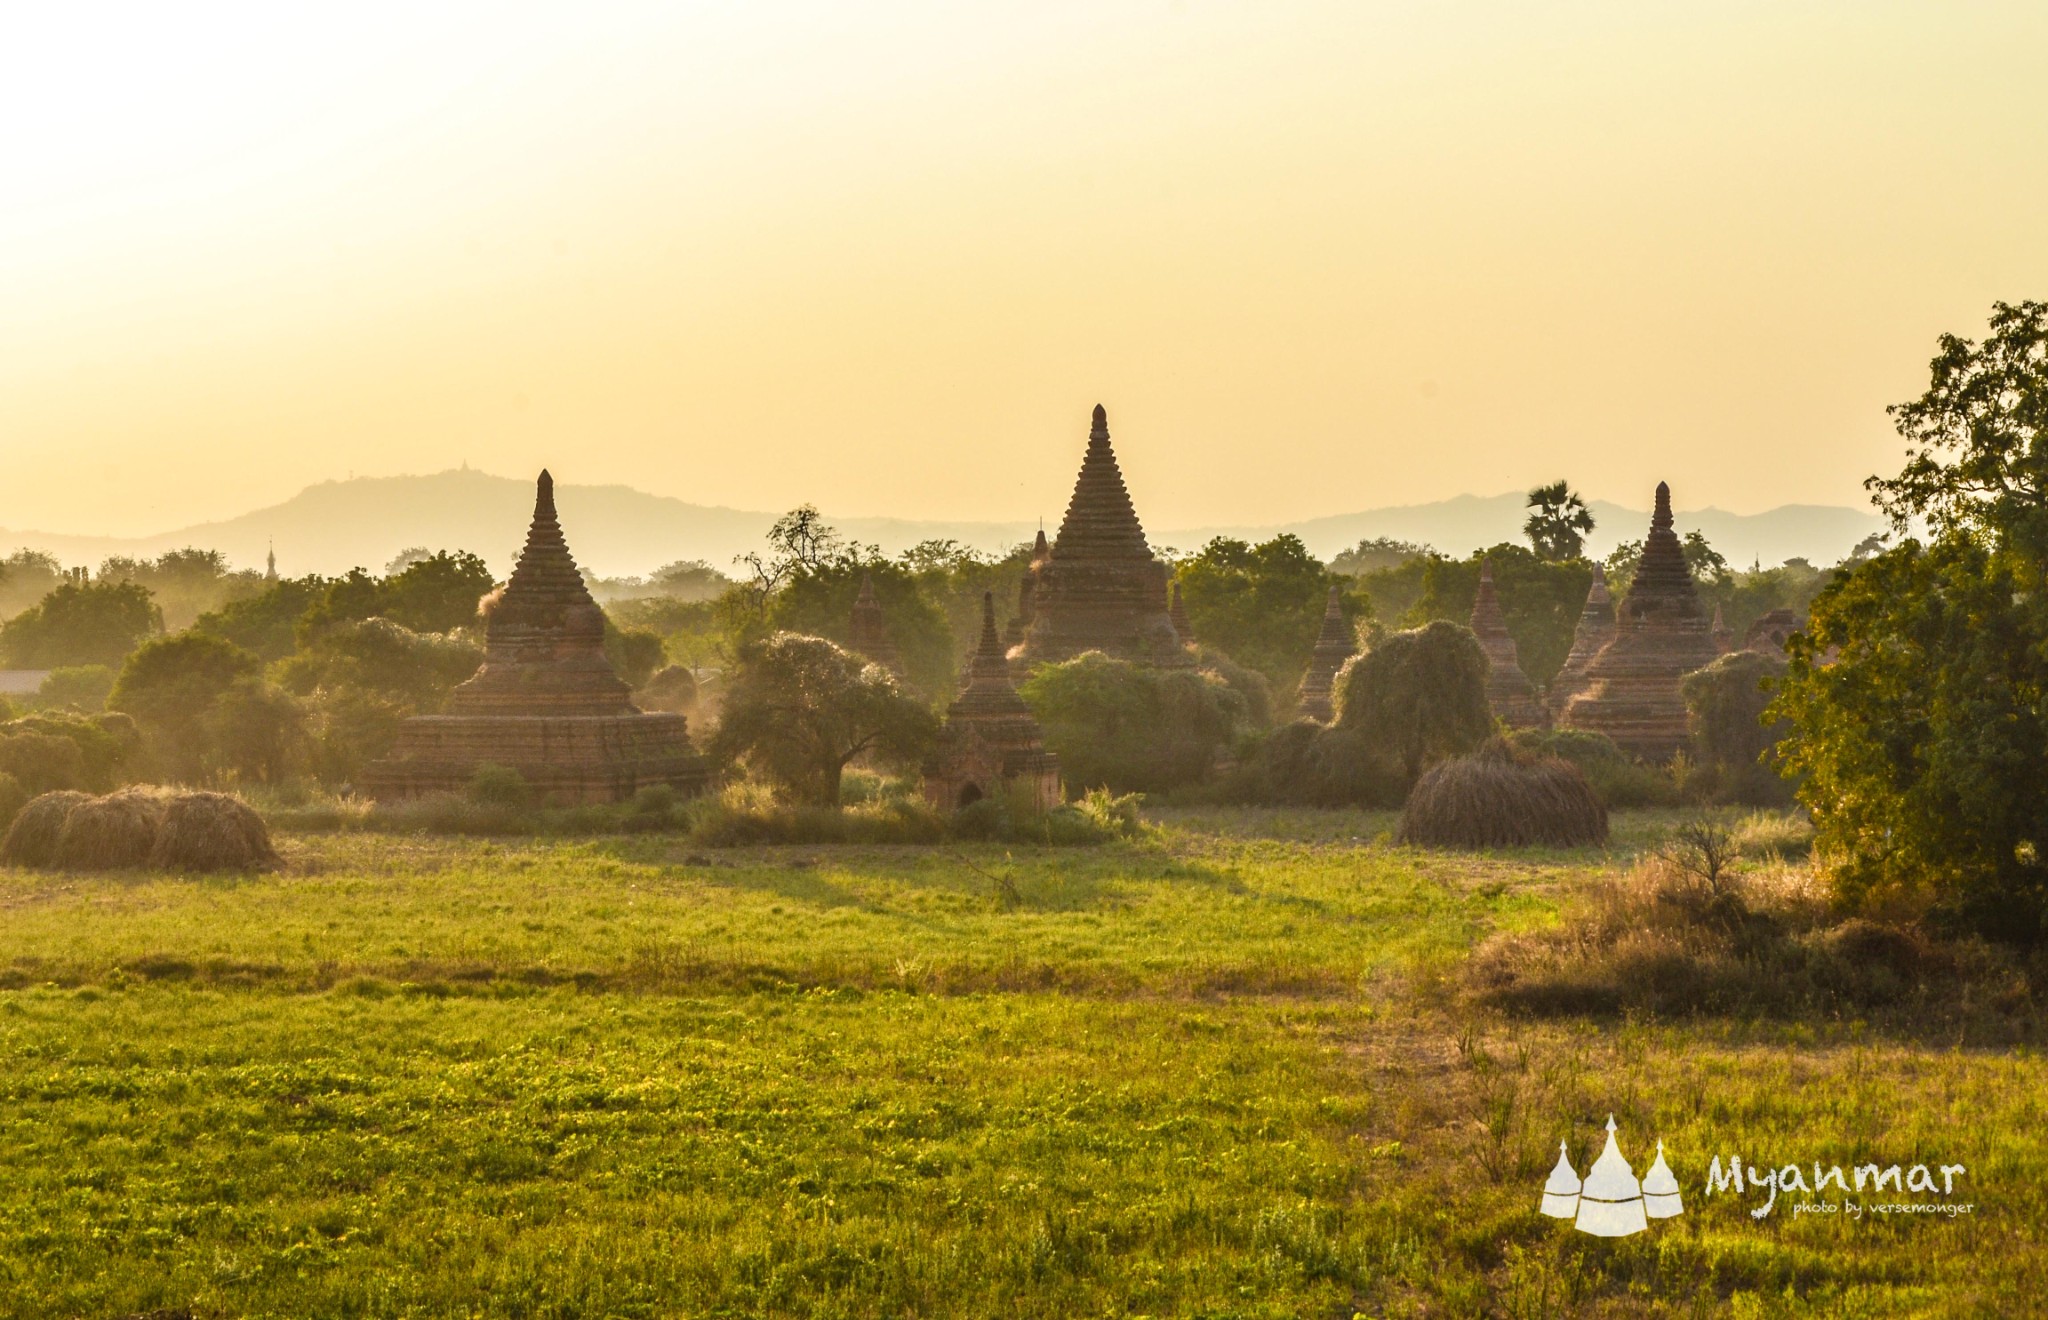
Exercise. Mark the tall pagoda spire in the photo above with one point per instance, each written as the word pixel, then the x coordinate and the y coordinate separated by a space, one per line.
pixel 1508 689
pixel 868 631
pixel 1335 644
pixel 990 739
pixel 1100 521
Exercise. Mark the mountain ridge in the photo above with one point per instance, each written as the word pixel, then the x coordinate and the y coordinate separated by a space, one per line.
pixel 614 529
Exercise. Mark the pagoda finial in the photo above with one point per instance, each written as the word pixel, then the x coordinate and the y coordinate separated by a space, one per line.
pixel 991 643
pixel 1039 549
pixel 1662 516
pixel 1333 608
pixel 544 496
pixel 1100 429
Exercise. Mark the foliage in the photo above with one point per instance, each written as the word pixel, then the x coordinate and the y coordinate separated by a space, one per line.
pixel 1540 600
pixel 1558 522
pixel 91 623
pixel 673 689
pixel 1420 696
pixel 258 733
pixel 37 762
pixel 267 621
pixel 184 583
pixel 438 593
pixel 379 656
pixel 1262 605
pixel 816 599
pixel 798 710
pixel 172 688
pixel 84 687
pixel 13 797
pixel 1133 728
pixel 1619 780
pixel 105 745
pixel 634 653
pixel 1919 690
pixel 26 576
pixel 1733 747
pixel 1377 554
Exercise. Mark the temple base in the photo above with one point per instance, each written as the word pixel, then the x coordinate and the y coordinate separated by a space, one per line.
pixel 564 758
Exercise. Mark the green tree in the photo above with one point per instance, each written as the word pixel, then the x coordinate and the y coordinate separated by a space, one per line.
pixel 635 653
pixel 817 600
pixel 1734 747
pixel 81 623
pixel 26 576
pixel 1540 600
pixel 436 594
pixel 1262 605
pixel 798 710
pixel 1918 692
pixel 266 622
pixel 1558 522
pixel 170 687
pixel 184 583
pixel 1419 696
pixel 1376 554
pixel 1132 728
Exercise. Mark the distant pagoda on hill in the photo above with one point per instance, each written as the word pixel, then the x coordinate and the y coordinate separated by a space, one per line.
pixel 1508 689
pixel 1100 588
pixel 546 701
pixel 990 742
pixel 1661 634
pixel 1335 644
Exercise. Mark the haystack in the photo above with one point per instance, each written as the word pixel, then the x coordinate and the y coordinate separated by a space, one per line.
pixel 1498 798
pixel 32 838
pixel 105 833
pixel 211 832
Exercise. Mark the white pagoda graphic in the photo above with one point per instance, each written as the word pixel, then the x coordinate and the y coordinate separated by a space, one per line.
pixel 1610 1202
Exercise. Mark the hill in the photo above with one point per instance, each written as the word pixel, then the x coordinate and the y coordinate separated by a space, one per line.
pixel 336 525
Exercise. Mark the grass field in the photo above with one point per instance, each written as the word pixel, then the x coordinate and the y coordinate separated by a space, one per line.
pixel 1225 1070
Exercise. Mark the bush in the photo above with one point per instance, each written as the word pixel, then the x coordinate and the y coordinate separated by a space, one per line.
pixel 171 686
pixel 1620 780
pixel 499 786
pixel 83 687
pixel 1736 751
pixel 41 762
pixel 1499 798
pixel 13 797
pixel 1133 728
pixel 673 689
pixel 92 623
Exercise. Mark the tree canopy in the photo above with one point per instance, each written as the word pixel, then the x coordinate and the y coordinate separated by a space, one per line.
pixel 81 623
pixel 1558 522
pixel 1262 605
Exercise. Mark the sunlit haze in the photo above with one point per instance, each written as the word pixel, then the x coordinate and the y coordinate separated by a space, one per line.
pixel 885 257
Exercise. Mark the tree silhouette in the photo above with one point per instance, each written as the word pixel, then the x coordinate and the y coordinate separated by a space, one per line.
pixel 1557 523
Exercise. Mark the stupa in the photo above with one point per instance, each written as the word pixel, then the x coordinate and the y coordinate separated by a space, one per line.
pixel 868 632
pixel 1100 589
pixel 1508 689
pixel 1183 626
pixel 1611 1200
pixel 1013 632
pixel 1595 630
pixel 1723 635
pixel 1661 634
pixel 546 701
pixel 1335 644
pixel 990 741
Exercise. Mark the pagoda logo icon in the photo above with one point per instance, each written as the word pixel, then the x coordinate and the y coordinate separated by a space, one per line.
pixel 1611 1202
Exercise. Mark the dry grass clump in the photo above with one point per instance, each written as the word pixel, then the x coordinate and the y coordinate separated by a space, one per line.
pixel 1499 798
pixel 112 832
pixel 1662 940
pixel 211 832
pixel 32 838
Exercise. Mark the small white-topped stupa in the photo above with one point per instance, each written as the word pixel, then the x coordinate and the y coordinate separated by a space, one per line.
pixel 1561 1193
pixel 1611 1200
pixel 1660 1189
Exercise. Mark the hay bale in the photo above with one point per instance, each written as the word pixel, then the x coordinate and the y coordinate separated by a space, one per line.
pixel 1498 798
pixel 107 833
pixel 32 838
pixel 211 832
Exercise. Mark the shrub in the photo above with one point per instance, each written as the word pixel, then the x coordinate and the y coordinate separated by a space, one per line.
pixel 84 687
pixel 90 623
pixel 634 654
pixel 171 686
pixel 672 689
pixel 12 798
pixel 1498 798
pixel 111 832
pixel 1417 696
pixel 798 710
pixel 499 786
pixel 211 832
pixel 1133 728
pixel 32 838
pixel 41 762
pixel 1620 780
pixel 1736 751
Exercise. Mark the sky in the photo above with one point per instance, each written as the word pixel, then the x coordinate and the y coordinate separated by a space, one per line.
pixel 884 257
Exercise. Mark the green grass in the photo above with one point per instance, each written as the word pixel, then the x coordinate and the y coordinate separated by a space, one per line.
pixel 1221 1071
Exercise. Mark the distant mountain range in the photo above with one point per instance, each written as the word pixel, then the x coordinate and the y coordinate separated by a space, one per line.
pixel 616 530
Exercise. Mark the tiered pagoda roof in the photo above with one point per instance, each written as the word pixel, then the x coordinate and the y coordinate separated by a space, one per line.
pixel 1336 643
pixel 990 740
pixel 1508 689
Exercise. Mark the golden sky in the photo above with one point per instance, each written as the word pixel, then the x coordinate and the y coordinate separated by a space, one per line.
pixel 885 256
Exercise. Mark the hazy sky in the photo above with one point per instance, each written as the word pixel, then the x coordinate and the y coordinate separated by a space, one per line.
pixel 885 256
